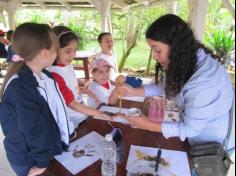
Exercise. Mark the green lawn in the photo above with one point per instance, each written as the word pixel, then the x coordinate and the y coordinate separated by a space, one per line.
pixel 138 57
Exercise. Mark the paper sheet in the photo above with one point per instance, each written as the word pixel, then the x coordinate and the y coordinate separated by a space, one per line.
pixel 142 159
pixel 91 144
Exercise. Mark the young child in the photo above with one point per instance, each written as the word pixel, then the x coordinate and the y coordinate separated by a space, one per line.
pixel 106 43
pixel 32 118
pixel 64 74
pixel 105 92
pixel 10 52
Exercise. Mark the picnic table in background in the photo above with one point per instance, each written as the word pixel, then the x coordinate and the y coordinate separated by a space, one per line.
pixel 84 57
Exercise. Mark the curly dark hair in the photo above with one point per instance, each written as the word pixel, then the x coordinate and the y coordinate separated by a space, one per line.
pixel 173 31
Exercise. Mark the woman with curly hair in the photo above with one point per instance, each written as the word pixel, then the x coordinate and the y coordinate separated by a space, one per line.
pixel 200 84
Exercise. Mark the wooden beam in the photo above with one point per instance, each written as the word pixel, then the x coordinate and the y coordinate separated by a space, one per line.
pixel 230 7
pixel 66 4
pixel 73 8
pixel 171 7
pixel 41 4
pixel 119 3
pixel 153 3
pixel 197 17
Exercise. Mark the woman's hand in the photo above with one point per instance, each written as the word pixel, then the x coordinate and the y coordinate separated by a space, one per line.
pixel 128 90
pixel 140 122
pixel 34 171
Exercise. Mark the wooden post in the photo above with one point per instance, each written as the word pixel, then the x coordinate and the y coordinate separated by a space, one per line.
pixel 10 7
pixel 197 17
pixel 104 8
pixel 230 7
pixel 171 7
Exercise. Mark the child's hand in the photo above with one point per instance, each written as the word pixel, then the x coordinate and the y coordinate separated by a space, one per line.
pixel 120 80
pixel 34 171
pixel 106 117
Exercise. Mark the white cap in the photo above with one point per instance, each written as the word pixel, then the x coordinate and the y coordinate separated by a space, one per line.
pixel 109 138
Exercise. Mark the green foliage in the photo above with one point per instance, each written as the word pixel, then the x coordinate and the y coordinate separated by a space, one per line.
pixel 222 43
pixel 80 31
pixel 37 16
pixel 88 25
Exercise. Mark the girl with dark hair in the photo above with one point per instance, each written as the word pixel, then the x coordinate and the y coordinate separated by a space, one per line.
pixel 200 84
pixel 64 74
pixel 31 108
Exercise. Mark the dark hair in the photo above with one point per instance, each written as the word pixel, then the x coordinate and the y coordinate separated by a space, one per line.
pixel 28 40
pixel 10 35
pixel 173 31
pixel 100 37
pixel 65 35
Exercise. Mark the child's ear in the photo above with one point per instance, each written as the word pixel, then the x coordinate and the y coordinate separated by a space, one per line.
pixel 44 53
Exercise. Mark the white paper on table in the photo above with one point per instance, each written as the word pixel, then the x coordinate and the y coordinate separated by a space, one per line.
pixel 75 165
pixel 178 161
pixel 115 110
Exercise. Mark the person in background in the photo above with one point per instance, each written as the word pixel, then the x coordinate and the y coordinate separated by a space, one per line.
pixel 3 51
pixel 101 86
pixel 63 72
pixel 10 52
pixel 32 117
pixel 106 44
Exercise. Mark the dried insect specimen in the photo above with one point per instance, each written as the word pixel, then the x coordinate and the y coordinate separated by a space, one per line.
pixel 142 156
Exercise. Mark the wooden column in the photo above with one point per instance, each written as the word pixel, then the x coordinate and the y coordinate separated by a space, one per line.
pixel 10 7
pixel 104 8
pixel 197 17
pixel 171 7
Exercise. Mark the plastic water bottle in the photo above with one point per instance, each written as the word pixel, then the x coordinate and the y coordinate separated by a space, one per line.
pixel 109 157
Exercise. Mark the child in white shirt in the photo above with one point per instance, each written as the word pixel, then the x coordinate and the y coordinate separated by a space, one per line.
pixel 101 87
pixel 63 73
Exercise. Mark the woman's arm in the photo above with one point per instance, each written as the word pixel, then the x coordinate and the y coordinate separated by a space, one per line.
pixel 130 91
pixel 142 122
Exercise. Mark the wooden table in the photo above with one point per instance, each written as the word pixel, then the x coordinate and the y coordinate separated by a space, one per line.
pixel 83 56
pixel 132 137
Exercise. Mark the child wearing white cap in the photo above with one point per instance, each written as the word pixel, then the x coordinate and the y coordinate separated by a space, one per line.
pixel 101 87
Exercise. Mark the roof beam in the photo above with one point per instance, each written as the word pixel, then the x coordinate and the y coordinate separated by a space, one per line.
pixel 66 4
pixel 119 3
pixel 41 4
